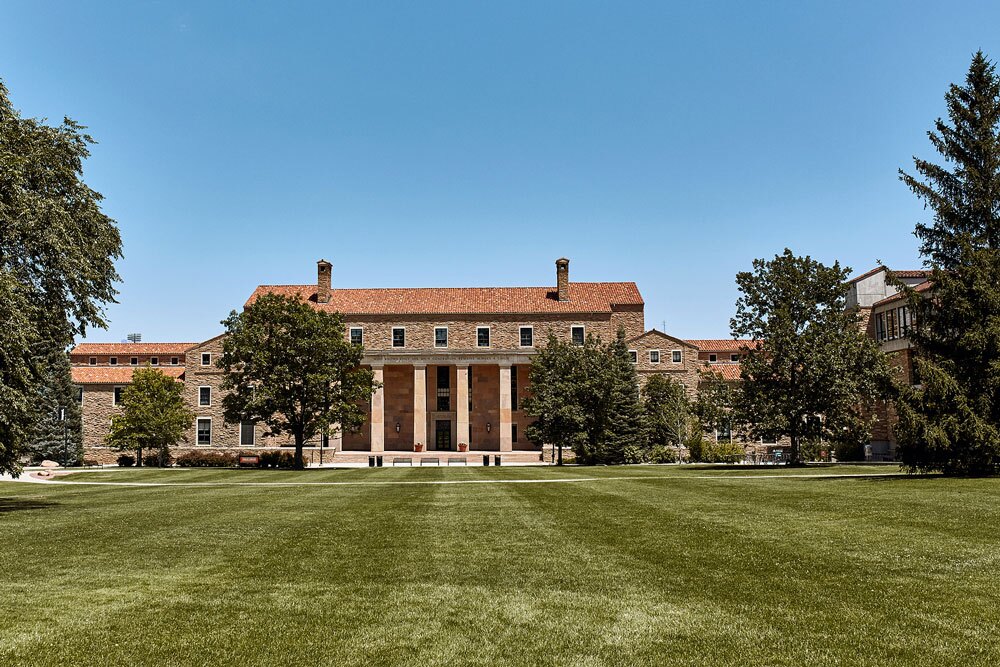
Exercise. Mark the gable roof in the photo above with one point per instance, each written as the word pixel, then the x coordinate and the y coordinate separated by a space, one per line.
pixel 583 298
pixel 660 334
pixel 132 348
pixel 724 344
pixel 116 374
pixel 905 273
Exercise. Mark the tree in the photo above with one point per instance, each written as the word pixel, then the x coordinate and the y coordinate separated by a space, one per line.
pixel 714 405
pixel 57 252
pixel 666 411
pixel 290 367
pixel 152 416
pixel 57 434
pixel 586 397
pixel 814 368
pixel 951 421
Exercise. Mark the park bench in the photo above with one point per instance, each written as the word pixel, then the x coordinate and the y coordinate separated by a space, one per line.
pixel 430 462
pixel 460 460
pixel 400 460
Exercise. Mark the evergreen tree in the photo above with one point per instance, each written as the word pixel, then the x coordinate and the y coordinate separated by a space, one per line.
pixel 951 421
pixel 624 422
pixel 814 368
pixel 152 416
pixel 666 411
pixel 55 438
pixel 557 376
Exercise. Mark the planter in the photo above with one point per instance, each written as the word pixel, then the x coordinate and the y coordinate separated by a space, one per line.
pixel 418 447
pixel 462 447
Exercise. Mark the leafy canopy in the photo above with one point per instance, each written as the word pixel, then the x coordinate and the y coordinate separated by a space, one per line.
pixel 289 366
pixel 152 415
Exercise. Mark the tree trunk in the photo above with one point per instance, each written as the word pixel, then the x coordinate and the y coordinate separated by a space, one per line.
pixel 299 464
pixel 138 458
pixel 560 454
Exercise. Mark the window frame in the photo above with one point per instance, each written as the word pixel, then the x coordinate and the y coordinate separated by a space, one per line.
pixel 712 358
pixel 734 357
pixel 115 401
pixel 489 335
pixel 112 361
pixel 583 334
pixel 205 355
pixel 134 361
pixel 436 330
pixel 392 336
pixel 205 405
pixel 197 432
pixel 676 357
pixel 520 335
pixel 658 356
pixel 93 361
pixel 253 434
pixel 361 335
pixel 175 361
pixel 633 356
pixel 154 361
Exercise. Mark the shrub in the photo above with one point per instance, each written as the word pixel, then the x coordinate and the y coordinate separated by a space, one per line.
pixel 206 459
pixel 276 459
pixel 634 454
pixel 723 452
pixel 661 454
pixel 126 460
pixel 153 460
pixel 696 447
pixel 849 451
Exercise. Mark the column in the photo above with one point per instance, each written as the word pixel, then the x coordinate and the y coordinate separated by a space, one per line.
pixel 420 405
pixel 462 404
pixel 378 412
pixel 506 437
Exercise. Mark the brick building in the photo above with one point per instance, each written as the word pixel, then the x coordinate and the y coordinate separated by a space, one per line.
pixel 453 362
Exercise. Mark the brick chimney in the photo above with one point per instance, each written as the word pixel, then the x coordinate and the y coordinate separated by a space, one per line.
pixel 324 269
pixel 562 278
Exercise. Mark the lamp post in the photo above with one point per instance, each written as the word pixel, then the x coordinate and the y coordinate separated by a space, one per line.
pixel 62 418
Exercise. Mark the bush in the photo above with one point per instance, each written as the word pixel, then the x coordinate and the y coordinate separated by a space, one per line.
pixel 276 459
pixel 126 460
pixel 723 452
pixel 661 454
pixel 696 447
pixel 207 459
pixel 634 454
pixel 153 460
pixel 849 451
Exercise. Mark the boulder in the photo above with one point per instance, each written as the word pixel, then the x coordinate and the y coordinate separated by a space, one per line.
pixel 49 464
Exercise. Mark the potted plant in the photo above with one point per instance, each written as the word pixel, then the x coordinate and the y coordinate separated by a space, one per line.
pixel 419 447
pixel 463 447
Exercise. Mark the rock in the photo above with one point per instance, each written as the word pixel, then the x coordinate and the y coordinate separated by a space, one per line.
pixel 49 464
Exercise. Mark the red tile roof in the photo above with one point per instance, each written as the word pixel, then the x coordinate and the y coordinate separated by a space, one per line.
pixel 132 348
pixel 116 374
pixel 729 371
pixel 723 344
pixel 906 273
pixel 583 298
pixel 899 296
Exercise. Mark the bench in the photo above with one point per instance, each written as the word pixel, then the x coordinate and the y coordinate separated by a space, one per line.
pixel 461 460
pixel 400 460
pixel 430 461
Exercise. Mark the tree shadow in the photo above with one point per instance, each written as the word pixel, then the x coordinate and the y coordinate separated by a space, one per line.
pixel 19 504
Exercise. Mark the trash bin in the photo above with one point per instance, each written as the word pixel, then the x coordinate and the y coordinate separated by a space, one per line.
pixel 371 461
pixel 486 459
pixel 496 460
pixel 378 461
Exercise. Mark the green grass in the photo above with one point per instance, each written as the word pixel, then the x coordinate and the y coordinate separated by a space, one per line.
pixel 633 566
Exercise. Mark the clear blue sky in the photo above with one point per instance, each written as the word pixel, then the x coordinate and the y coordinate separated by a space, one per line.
pixel 452 144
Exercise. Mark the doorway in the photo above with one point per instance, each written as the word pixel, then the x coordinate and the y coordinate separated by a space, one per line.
pixel 442 434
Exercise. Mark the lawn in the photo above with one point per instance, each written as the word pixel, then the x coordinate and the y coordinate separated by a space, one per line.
pixel 624 566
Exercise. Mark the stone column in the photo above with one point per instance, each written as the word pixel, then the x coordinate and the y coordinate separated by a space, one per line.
pixel 506 437
pixel 420 405
pixel 378 413
pixel 462 404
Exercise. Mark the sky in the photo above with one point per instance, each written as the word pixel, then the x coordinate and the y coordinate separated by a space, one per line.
pixel 428 144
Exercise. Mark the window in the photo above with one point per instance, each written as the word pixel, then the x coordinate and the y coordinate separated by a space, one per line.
pixel 880 327
pixel 357 336
pixel 93 361
pixel 154 361
pixel 398 337
pixel 903 316
pixel 654 356
pixel 441 337
pixel 443 388
pixel 513 387
pixel 513 432
pixel 675 356
pixel 527 337
pixel 206 358
pixel 113 361
pixel 734 357
pixel 79 394
pixel 577 335
pixel 470 397
pixel 483 336
pixel 204 395
pixel 118 395
pixel 204 431
pixel 890 324
pixel 633 355
pixel 247 434
pixel 134 361
pixel 713 358
pixel 174 360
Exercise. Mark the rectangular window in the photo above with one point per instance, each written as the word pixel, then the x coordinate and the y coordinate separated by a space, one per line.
pixel 890 324
pixel 527 337
pixel 513 432
pixel 712 358
pixel 93 361
pixel 118 395
pixel 134 361
pixel 633 356
pixel 443 388
pixel 734 357
pixel 880 327
pixel 174 360
pixel 204 395
pixel 113 361
pixel 654 356
pixel 441 337
pixel 206 358
pixel 675 356
pixel 154 361
pixel 246 434
pixel 79 394
pixel 398 337
pixel 577 335
pixel 357 336
pixel 513 387
pixel 482 336
pixel 205 431
pixel 904 321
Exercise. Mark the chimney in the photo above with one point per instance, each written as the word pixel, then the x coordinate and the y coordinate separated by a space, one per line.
pixel 562 278
pixel 323 271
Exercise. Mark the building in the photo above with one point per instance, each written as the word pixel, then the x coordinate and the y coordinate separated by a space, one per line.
pixel 453 363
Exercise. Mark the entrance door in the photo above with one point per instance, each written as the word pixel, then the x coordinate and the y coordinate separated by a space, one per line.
pixel 442 435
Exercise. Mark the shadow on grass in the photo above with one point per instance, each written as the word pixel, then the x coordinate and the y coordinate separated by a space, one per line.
pixel 19 504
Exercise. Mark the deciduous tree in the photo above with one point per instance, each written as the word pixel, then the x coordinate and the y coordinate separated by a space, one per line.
pixel 152 415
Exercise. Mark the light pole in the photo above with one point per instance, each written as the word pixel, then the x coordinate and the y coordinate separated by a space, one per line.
pixel 62 418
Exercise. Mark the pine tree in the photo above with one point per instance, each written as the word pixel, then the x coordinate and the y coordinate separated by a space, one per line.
pixel 951 421
pixel 624 422
pixel 54 438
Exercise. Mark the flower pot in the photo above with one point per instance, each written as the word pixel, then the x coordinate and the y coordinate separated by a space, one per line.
pixel 418 447
pixel 462 447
